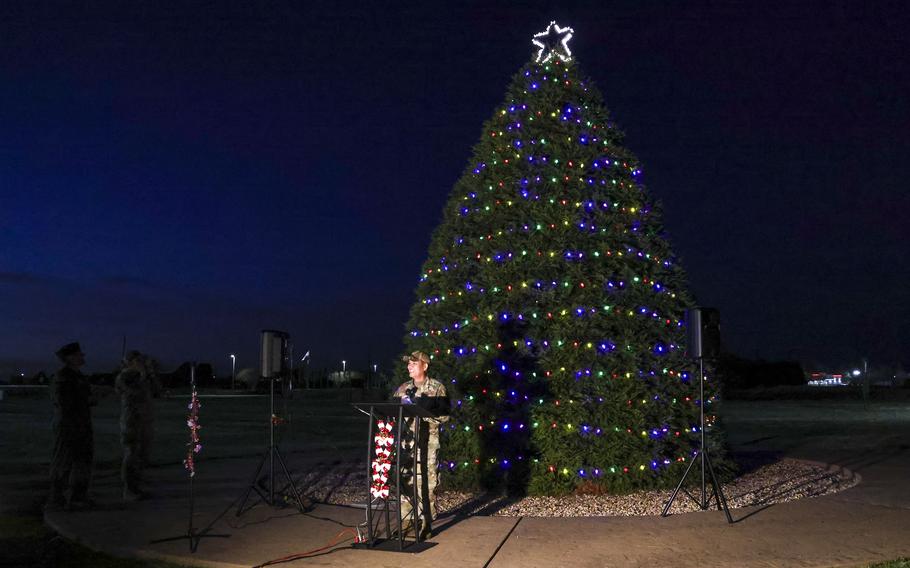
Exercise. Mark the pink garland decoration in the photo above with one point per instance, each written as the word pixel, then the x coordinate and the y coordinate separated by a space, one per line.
pixel 384 443
pixel 192 421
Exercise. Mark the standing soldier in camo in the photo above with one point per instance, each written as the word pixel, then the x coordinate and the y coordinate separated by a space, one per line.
pixel 430 394
pixel 134 385
pixel 71 463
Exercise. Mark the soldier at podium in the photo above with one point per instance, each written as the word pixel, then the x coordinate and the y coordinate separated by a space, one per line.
pixel 430 394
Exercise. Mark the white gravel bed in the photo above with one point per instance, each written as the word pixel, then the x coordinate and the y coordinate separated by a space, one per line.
pixel 785 480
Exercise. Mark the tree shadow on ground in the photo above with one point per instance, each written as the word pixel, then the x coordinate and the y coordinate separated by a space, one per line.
pixel 800 485
pixel 324 480
pixel 486 505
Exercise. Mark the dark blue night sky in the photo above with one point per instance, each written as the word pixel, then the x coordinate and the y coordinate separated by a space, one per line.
pixel 187 177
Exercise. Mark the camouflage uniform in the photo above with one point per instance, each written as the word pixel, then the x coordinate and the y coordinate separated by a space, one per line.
pixel 432 396
pixel 71 463
pixel 135 391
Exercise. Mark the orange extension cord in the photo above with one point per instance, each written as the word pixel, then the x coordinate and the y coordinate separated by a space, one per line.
pixel 334 542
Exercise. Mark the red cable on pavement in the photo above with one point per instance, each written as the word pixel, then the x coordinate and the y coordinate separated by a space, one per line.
pixel 297 556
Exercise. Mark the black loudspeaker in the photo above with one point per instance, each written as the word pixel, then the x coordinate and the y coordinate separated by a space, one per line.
pixel 273 352
pixel 703 333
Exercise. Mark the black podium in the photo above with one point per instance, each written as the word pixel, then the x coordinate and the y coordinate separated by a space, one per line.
pixel 399 413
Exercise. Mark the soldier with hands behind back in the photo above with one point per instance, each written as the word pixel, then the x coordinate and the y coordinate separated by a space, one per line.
pixel 71 462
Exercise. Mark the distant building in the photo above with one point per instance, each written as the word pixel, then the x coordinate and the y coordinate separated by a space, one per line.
pixel 346 378
pixel 825 379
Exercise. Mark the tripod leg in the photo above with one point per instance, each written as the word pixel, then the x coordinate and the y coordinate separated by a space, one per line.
pixel 704 504
pixel 290 481
pixel 252 484
pixel 715 487
pixel 678 487
pixel 719 492
pixel 272 451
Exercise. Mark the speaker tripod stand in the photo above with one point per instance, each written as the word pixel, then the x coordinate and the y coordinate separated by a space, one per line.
pixel 706 467
pixel 271 454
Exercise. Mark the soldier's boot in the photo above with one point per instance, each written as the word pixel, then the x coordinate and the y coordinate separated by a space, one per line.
pixel 426 530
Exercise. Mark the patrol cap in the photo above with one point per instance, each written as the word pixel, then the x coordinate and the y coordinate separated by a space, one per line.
pixel 417 356
pixel 69 349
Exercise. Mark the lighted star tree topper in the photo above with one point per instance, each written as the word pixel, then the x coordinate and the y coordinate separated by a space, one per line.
pixel 553 41
pixel 552 304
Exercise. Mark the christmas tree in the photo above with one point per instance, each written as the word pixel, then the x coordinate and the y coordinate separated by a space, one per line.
pixel 552 305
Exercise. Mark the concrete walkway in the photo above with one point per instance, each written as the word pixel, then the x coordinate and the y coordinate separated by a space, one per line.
pixel 868 523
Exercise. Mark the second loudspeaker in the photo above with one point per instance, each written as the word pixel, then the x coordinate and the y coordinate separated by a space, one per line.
pixel 703 333
pixel 273 352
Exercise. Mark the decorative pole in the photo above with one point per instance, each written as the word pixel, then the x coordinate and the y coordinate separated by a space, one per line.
pixel 194 446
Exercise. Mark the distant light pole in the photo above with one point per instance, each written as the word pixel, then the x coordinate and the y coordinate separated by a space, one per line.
pixel 306 375
pixel 343 366
pixel 233 369
pixel 373 375
pixel 867 383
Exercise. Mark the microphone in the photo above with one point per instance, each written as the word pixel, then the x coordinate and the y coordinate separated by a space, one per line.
pixel 408 395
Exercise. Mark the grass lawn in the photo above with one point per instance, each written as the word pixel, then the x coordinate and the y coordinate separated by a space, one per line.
pixel 819 425
pixel 317 421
